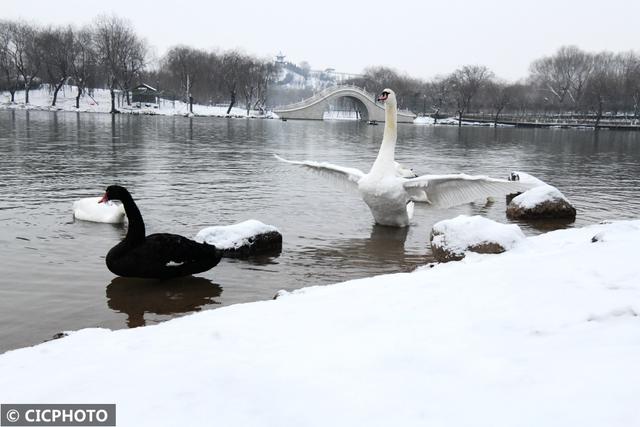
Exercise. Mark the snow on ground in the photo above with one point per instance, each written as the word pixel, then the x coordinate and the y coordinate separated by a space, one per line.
pixel 233 236
pixel 537 195
pixel 462 232
pixel 547 334
pixel 450 121
pixel 100 102
pixel 423 120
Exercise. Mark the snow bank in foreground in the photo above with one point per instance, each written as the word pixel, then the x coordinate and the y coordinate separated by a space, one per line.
pixel 543 335
pixel 457 235
pixel 233 236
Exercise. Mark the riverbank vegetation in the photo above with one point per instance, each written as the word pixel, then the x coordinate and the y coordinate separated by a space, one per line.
pixel 570 85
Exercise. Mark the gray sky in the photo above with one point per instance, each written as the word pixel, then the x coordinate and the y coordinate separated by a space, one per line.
pixel 423 38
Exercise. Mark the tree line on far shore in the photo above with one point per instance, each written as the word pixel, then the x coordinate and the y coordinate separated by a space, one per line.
pixel 569 82
pixel 108 53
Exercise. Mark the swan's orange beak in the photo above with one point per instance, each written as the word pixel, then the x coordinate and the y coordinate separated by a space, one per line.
pixel 383 97
pixel 105 198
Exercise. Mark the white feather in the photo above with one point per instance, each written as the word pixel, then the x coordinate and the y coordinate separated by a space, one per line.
pixel 450 190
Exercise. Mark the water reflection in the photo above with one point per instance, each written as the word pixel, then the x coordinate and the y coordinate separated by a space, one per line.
pixel 135 297
pixel 188 174
pixel 383 251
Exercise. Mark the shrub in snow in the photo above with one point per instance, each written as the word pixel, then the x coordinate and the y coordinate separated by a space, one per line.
pixel 542 202
pixel 451 238
pixel 244 239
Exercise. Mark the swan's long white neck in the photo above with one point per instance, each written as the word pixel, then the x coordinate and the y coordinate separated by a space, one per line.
pixel 386 156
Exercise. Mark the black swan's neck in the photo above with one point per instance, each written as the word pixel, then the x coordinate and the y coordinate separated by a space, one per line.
pixel 136 231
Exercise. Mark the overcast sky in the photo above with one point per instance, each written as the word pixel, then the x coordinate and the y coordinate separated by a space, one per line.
pixel 421 37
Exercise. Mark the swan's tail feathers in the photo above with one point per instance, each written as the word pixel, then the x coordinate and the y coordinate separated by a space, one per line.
pixel 347 177
pixel 450 190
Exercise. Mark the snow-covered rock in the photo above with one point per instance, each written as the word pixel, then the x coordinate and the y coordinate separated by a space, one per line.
pixel 542 202
pixel 451 238
pixel 243 239
pixel 88 209
pixel 545 334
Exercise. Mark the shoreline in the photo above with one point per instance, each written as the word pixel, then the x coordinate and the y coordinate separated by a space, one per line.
pixel 100 102
pixel 527 334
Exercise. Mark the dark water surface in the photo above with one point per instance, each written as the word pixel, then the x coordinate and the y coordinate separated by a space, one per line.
pixel 187 174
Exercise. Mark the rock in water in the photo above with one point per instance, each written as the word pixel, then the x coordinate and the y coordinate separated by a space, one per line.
pixel 243 239
pixel 543 202
pixel 451 238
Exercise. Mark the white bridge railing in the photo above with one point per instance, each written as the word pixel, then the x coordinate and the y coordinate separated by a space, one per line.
pixel 325 93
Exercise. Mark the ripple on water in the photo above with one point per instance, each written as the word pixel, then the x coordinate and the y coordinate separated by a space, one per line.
pixel 188 174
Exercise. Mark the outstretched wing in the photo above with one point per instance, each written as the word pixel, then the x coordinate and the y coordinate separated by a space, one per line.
pixel 340 174
pixel 456 189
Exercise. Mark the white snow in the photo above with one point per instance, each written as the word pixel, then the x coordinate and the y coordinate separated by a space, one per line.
pixel 528 179
pixel 458 234
pixel 100 102
pixel 453 121
pixel 88 209
pixel 233 236
pixel 546 334
pixel 424 120
pixel 537 195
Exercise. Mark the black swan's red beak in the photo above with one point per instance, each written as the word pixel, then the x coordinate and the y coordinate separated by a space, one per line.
pixel 104 198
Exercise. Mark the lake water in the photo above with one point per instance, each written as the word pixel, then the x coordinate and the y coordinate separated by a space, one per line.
pixel 186 174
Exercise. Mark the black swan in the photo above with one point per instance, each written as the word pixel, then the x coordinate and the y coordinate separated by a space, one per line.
pixel 157 256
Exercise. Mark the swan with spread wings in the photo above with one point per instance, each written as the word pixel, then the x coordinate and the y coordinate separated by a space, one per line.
pixel 390 195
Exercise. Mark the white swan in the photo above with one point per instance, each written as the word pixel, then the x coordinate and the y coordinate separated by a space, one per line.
pixel 390 196
pixel 89 209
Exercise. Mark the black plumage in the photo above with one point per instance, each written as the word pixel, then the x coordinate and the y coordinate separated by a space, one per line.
pixel 157 256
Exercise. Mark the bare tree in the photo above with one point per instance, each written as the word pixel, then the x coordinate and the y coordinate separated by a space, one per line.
pixel 188 66
pixel 58 56
pixel 25 52
pixel 602 85
pixel 268 73
pixel 499 95
pixel 465 84
pixel 8 70
pixel 83 67
pixel 564 74
pixel 115 40
pixel 438 93
pixel 631 82
pixel 231 66
pixel 133 63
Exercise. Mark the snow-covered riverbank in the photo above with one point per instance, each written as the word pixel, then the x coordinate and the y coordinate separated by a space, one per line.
pixel 546 334
pixel 100 102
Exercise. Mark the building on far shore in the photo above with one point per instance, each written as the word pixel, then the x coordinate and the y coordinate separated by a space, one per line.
pixel 143 94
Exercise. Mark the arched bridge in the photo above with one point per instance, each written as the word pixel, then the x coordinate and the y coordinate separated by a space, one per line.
pixel 313 108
